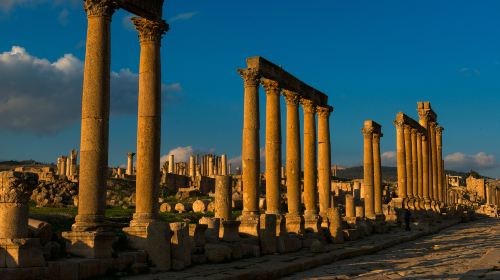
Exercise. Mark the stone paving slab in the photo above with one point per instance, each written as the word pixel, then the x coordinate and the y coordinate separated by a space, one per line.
pixel 279 265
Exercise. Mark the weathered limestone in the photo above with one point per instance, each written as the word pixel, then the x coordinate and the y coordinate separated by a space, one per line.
pixel 250 153
pixel 94 136
pixel 130 164
pixel 294 219
pixel 335 225
pixel 16 249
pixel 368 130
pixel 408 160
pixel 324 160
pixel 224 166
pixel 191 166
pixel 273 146
pixel 439 158
pixel 401 161
pixel 171 164
pixel 377 174
pixel 211 170
pixel 420 175
pixel 350 208
pixel 432 132
pixel 414 163
pixel 310 188
pixel 223 195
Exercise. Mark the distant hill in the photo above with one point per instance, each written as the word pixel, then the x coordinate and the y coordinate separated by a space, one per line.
pixel 389 173
pixel 10 164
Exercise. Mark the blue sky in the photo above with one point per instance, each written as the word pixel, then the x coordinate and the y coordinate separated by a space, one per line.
pixel 373 59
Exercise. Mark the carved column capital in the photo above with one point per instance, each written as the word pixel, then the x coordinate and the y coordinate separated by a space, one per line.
pixel 291 98
pixel 432 125
pixel 16 187
pixel 308 105
pixel 251 77
pixel 150 30
pixel 413 131
pixel 271 86
pixel 368 132
pixel 100 8
pixel 439 130
pixel 407 129
pixel 324 111
pixel 399 124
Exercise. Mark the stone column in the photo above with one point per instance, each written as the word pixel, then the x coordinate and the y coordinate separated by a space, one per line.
pixel 141 233
pixel 425 170
pixel 68 167
pixel 130 163
pixel 350 208
pixel 414 163
pixel 250 153
pixel 294 220
pixel 273 146
pixel 95 118
pixel 310 188
pixel 377 174
pixel 171 164
pixel 419 166
pixel 223 198
pixel 400 155
pixel 64 165
pixel 224 169
pixel 439 158
pixel 324 159
pixel 368 169
pixel 191 166
pixel 432 130
pixel 408 161
pixel 211 166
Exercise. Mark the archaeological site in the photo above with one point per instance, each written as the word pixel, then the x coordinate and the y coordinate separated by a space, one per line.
pixel 281 205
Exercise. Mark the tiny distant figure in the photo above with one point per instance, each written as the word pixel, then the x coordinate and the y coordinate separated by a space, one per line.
pixel 407 220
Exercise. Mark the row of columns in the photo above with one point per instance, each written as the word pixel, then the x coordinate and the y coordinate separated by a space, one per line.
pixel 67 165
pixel 372 178
pixel 251 155
pixel 206 165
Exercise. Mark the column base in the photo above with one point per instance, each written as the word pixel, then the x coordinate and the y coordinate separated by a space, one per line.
pixel 312 222
pixel 89 244
pixel 229 231
pixel 267 234
pixel 154 238
pixel 294 223
pixel 89 223
pixel 250 224
pixel 21 252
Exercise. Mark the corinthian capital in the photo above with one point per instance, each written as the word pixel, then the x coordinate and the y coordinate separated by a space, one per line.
pixel 291 98
pixel 324 111
pixel 150 30
pixel 368 132
pixel 100 8
pixel 439 130
pixel 251 77
pixel 399 124
pixel 16 187
pixel 308 105
pixel 271 87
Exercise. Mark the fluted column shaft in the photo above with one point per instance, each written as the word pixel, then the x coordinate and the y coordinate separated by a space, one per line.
pixel 250 143
pixel 377 174
pixel 368 171
pixel 273 146
pixel 149 119
pixel 408 162
pixel 324 159
pixel 425 167
pixel 401 161
pixel 292 152
pixel 310 187
pixel 419 166
pixel 95 117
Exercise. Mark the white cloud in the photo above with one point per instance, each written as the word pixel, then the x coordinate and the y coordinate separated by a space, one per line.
pixel 389 158
pixel 44 97
pixel 463 162
pixel 183 16
pixel 182 154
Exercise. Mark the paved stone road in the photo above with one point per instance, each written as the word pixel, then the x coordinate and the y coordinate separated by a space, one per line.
pixel 465 251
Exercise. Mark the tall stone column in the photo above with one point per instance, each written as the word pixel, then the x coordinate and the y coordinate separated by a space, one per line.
pixel 294 220
pixel 408 162
pixel 425 171
pixel 250 153
pixel 439 158
pixel 400 156
pixel 224 168
pixel 211 166
pixel 368 169
pixel 94 137
pixel 324 159
pixel 377 174
pixel 414 163
pixel 68 167
pixel 419 166
pixel 310 187
pixel 191 166
pixel 130 163
pixel 273 146
pixel 432 130
pixel 171 164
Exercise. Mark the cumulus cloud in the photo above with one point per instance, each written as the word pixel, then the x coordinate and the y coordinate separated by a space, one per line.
pixel 463 162
pixel 389 158
pixel 182 154
pixel 43 97
pixel 183 16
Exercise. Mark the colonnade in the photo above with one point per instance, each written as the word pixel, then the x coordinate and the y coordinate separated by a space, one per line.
pixel 372 179
pixel 421 180
pixel 276 82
